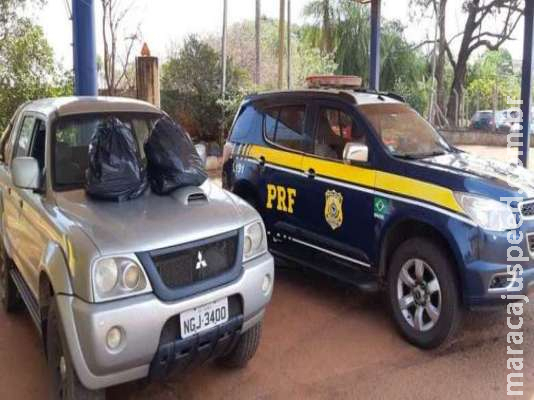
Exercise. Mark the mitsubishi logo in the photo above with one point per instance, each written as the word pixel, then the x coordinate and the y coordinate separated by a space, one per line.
pixel 201 263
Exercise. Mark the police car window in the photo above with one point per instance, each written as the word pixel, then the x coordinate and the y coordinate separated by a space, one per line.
pixel 334 130
pixel 248 123
pixel 403 131
pixel 25 137
pixel 285 126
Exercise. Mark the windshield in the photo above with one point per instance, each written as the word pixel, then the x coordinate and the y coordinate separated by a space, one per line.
pixel 403 131
pixel 71 143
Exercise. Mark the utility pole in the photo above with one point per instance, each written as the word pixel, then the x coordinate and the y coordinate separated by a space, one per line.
pixel 257 75
pixel 223 53
pixel 288 44
pixel 281 42
pixel 84 48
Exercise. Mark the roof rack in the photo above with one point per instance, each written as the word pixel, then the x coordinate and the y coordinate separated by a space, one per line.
pixel 333 82
pixel 381 93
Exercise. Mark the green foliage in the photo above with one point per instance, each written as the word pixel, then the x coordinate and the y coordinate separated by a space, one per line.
pixel 403 68
pixel 309 61
pixel 191 88
pixel 491 79
pixel 27 68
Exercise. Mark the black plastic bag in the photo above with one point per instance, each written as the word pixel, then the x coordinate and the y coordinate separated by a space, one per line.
pixel 115 169
pixel 173 161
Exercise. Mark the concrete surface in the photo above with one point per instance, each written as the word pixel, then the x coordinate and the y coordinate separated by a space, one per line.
pixel 499 153
pixel 321 340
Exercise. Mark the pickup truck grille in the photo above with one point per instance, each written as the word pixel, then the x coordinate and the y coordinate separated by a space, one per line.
pixel 527 209
pixel 183 266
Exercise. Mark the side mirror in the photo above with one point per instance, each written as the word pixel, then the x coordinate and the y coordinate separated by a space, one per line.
pixel 356 152
pixel 25 173
pixel 202 152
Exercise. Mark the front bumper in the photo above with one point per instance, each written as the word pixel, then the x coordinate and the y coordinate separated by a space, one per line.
pixel 478 290
pixel 142 320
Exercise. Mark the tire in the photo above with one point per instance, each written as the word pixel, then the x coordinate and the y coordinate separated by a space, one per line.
pixel 9 295
pixel 427 314
pixel 243 350
pixel 64 382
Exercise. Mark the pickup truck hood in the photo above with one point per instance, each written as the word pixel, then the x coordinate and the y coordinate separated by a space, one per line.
pixel 499 173
pixel 154 222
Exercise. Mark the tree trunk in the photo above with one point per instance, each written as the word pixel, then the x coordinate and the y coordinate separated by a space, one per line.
pixel 440 63
pixel 327 29
pixel 460 67
pixel 281 44
pixel 257 72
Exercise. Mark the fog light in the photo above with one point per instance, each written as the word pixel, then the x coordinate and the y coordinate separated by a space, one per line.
pixel 266 285
pixel 114 338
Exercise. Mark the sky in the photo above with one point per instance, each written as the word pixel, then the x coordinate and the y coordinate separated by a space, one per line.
pixel 166 21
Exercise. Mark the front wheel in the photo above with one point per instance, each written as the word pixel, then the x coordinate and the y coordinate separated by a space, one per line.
pixel 64 382
pixel 423 293
pixel 244 350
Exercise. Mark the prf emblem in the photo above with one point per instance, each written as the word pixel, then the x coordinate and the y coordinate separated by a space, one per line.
pixel 281 198
pixel 333 209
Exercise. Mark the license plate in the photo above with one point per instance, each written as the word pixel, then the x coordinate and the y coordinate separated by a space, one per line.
pixel 203 318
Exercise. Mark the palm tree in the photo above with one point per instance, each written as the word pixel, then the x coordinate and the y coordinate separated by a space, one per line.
pixel 323 11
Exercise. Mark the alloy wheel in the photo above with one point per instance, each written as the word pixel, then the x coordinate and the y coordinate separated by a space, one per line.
pixel 419 295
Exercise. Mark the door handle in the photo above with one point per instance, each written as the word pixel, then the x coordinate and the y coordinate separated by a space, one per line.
pixel 262 161
pixel 311 173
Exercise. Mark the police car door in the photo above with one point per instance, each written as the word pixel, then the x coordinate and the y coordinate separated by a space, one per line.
pixel 339 223
pixel 287 131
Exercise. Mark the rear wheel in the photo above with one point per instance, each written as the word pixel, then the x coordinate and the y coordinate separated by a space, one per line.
pixel 9 295
pixel 64 382
pixel 423 293
pixel 244 350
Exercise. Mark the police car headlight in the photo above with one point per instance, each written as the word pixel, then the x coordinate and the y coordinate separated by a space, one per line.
pixel 489 214
pixel 255 241
pixel 118 277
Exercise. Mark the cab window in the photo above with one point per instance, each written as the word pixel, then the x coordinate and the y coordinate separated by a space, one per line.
pixel 25 137
pixel 38 144
pixel 248 124
pixel 284 126
pixel 6 135
pixel 335 129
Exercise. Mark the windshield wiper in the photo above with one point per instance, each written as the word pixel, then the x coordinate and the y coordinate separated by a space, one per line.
pixel 420 156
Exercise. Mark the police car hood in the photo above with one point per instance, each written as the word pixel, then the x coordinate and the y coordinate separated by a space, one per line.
pixel 153 222
pixel 499 173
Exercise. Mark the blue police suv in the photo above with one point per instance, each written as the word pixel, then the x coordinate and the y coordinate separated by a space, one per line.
pixel 358 185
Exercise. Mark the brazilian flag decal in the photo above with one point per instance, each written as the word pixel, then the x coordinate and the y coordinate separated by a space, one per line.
pixel 382 207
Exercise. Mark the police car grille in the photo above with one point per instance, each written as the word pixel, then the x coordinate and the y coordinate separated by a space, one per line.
pixel 196 262
pixel 530 238
pixel 527 209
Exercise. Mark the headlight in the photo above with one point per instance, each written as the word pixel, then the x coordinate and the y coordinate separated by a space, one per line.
pixel 255 241
pixel 117 277
pixel 487 213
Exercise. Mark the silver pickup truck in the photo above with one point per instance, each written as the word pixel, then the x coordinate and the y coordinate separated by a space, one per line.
pixel 122 291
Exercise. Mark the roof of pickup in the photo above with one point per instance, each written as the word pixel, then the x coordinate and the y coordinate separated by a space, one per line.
pixel 63 106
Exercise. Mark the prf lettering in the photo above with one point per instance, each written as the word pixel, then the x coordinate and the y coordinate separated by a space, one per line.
pixel 281 197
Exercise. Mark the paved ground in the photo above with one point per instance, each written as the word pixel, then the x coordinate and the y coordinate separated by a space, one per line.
pixel 499 153
pixel 321 340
